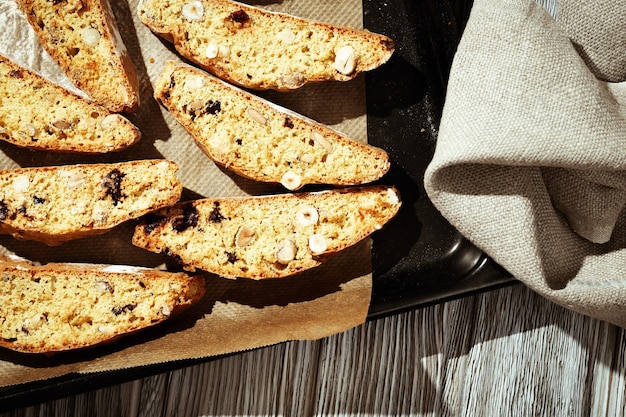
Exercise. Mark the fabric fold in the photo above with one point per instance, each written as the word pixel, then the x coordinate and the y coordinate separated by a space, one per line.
pixel 530 159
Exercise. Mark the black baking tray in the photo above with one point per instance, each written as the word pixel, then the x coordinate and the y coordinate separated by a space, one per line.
pixel 418 259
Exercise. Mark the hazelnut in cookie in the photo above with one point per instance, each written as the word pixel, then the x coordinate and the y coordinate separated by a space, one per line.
pixel 259 140
pixel 259 49
pixel 56 120
pixel 267 236
pixel 82 36
pixel 61 203
pixel 71 306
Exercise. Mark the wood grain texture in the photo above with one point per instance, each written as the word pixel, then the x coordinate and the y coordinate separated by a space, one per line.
pixel 507 352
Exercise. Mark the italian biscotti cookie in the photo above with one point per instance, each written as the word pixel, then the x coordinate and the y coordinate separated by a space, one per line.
pixel 259 140
pixel 56 204
pixel 61 306
pixel 83 38
pixel 37 114
pixel 258 49
pixel 266 236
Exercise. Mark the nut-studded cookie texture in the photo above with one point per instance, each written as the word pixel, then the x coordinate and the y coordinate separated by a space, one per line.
pixel 259 140
pixel 61 306
pixel 258 49
pixel 82 36
pixel 37 114
pixel 267 236
pixel 60 203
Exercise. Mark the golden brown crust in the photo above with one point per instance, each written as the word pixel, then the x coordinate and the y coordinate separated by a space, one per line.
pixel 56 204
pixel 37 114
pixel 258 49
pixel 269 236
pixel 83 38
pixel 259 140
pixel 72 306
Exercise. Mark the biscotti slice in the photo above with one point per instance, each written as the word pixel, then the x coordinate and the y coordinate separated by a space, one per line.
pixel 83 38
pixel 266 236
pixel 258 49
pixel 56 204
pixel 40 115
pixel 259 140
pixel 61 306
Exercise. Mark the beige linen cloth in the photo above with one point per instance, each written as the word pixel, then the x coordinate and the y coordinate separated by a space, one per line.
pixel 531 156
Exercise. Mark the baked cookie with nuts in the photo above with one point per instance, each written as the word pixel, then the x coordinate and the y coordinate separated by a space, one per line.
pixel 72 306
pixel 259 140
pixel 266 236
pixel 82 36
pixel 61 203
pixel 259 49
pixel 58 120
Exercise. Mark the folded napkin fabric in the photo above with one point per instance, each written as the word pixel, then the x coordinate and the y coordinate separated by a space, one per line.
pixel 530 162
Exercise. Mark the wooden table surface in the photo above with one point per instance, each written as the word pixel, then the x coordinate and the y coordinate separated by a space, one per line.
pixel 506 352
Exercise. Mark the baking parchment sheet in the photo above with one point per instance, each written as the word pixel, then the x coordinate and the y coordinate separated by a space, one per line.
pixel 234 315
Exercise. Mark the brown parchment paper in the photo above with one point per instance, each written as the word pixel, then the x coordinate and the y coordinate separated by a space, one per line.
pixel 234 315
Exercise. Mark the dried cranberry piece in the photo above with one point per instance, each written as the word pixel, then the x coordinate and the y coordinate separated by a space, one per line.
pixel 152 221
pixel 240 16
pixel 232 257
pixel 16 74
pixel 190 214
pixel 216 216
pixel 214 107
pixel 189 218
pixel 119 310
pixel 113 185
